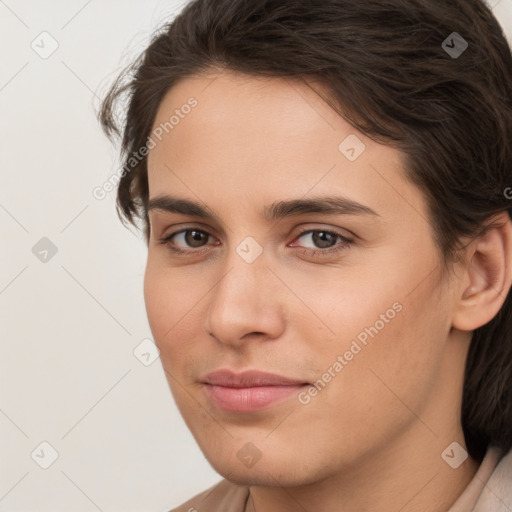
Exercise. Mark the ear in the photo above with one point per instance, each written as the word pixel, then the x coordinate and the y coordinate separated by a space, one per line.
pixel 487 276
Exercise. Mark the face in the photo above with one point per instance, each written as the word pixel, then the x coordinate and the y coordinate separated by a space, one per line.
pixel 347 300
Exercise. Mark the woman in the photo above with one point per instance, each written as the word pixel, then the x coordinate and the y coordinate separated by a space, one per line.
pixel 324 188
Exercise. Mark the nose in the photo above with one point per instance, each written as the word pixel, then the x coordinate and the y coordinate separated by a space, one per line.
pixel 246 303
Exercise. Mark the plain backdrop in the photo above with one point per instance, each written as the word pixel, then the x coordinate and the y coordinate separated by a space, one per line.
pixel 86 422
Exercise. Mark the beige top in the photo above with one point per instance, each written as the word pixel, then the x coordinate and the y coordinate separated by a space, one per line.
pixel 490 490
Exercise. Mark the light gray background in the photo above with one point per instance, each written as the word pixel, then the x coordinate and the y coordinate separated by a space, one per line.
pixel 69 326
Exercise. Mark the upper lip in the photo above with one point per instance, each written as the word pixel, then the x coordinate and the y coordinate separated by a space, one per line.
pixel 249 378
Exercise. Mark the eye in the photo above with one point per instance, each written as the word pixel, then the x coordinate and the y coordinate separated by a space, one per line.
pixel 323 241
pixel 191 238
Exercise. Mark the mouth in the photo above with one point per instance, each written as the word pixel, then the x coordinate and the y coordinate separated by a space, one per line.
pixel 249 391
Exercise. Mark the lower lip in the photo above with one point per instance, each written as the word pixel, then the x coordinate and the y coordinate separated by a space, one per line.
pixel 249 399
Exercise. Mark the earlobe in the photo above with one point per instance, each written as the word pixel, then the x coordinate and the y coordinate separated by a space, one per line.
pixel 487 277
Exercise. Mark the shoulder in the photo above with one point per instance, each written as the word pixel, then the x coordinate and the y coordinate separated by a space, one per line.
pixel 224 496
pixel 497 494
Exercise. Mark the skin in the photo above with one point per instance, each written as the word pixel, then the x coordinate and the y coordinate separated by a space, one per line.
pixel 372 439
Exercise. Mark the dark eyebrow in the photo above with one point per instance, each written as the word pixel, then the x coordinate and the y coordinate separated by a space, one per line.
pixel 327 205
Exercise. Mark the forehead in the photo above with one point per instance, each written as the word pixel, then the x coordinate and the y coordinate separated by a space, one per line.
pixel 267 138
pixel 283 115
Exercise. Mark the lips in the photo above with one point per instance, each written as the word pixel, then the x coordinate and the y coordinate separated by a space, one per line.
pixel 249 379
pixel 249 391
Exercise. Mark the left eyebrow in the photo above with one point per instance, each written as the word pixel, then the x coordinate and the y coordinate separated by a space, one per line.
pixel 329 205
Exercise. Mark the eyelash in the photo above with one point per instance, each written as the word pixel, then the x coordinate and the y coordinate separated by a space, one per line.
pixel 345 242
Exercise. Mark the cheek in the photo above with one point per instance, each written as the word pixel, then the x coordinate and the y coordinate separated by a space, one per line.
pixel 169 309
pixel 391 360
pixel 165 302
pixel 381 384
pixel 390 335
pixel 174 303
pixel 157 297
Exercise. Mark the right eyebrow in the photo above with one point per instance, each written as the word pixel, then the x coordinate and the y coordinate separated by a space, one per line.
pixel 184 206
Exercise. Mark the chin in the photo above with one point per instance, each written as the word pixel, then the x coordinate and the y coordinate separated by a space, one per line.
pixel 264 473
pixel 261 478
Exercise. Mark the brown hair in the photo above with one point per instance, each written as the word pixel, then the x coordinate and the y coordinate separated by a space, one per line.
pixel 390 75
